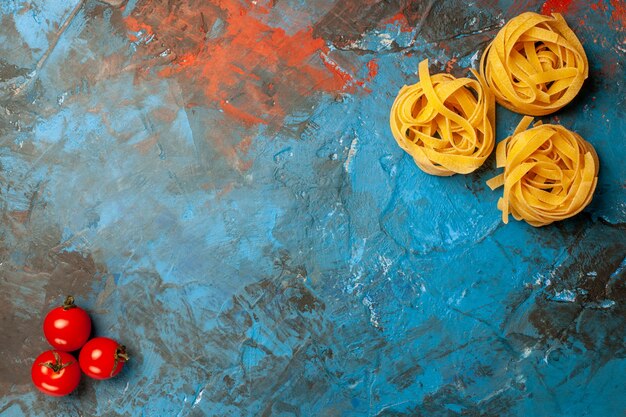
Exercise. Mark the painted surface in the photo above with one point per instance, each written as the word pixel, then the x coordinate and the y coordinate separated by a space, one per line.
pixel 216 183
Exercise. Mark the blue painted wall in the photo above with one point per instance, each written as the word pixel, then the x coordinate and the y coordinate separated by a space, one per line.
pixel 217 185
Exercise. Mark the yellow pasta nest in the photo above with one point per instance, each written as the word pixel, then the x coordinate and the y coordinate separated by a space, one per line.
pixel 550 173
pixel 446 124
pixel 535 65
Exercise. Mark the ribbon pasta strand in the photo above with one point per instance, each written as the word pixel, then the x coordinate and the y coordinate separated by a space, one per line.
pixel 535 65
pixel 446 124
pixel 550 173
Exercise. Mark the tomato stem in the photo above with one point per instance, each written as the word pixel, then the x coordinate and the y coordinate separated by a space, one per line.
pixel 120 356
pixel 120 353
pixel 57 365
pixel 69 303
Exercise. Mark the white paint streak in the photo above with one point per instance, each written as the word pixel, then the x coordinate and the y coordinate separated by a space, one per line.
pixel 198 398
pixel 385 40
pixel 351 153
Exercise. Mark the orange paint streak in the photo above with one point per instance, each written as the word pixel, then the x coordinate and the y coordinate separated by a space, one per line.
pixel 181 62
pixel 240 114
pixel 339 72
pixel 372 69
pixel 399 19
pixel 136 26
pixel 186 60
pixel 256 73
pixel 396 18
pixel 223 57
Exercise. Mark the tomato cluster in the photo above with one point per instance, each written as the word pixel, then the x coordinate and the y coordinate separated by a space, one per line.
pixel 67 328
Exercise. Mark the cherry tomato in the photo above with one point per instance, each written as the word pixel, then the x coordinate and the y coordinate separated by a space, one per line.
pixel 68 327
pixel 55 373
pixel 102 358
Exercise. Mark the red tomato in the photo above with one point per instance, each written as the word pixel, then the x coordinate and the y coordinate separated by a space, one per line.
pixel 55 373
pixel 68 327
pixel 102 358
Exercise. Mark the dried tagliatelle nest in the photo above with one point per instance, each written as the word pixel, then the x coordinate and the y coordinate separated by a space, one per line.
pixel 535 65
pixel 445 123
pixel 550 173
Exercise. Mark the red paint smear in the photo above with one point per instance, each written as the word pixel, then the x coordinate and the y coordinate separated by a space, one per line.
pixel 372 69
pixel 255 73
pixel 601 5
pixel 400 20
pixel 556 6
pixel 240 114
pixel 619 13
pixel 338 71
pixel 186 60
pixel 396 18
pixel 136 26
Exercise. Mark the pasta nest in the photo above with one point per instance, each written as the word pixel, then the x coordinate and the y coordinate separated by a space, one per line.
pixel 550 173
pixel 535 65
pixel 446 124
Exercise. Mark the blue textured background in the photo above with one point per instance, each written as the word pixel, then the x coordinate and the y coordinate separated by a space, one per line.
pixel 216 184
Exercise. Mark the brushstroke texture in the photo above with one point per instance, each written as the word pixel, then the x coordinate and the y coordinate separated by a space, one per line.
pixel 216 183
